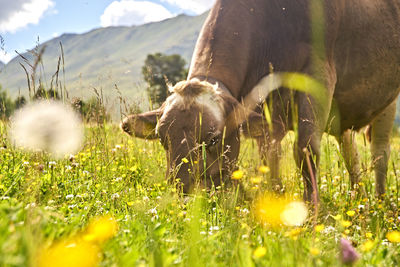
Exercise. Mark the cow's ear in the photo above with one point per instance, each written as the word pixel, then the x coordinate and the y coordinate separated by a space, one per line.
pixel 255 126
pixel 142 125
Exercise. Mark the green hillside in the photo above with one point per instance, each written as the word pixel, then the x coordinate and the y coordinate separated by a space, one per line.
pixel 104 57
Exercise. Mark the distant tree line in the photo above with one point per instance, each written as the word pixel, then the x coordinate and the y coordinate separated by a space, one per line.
pixel 91 110
pixel 160 71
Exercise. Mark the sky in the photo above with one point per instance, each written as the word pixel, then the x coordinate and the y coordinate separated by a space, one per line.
pixel 24 23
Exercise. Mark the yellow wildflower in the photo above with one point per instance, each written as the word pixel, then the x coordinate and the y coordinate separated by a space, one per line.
pixel 314 251
pixel 255 180
pixel 268 209
pixel 264 169
pixel 259 252
pixel 237 175
pixel 393 236
pixel 185 160
pixel 274 211
pixel 319 228
pixel 293 234
pixel 337 217
pixel 346 223
pixel 367 246
pixel 368 235
pixel 130 203
pixel 68 253
pixel 101 229
pixel 351 213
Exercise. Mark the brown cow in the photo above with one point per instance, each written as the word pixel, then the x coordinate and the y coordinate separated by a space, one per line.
pixel 351 47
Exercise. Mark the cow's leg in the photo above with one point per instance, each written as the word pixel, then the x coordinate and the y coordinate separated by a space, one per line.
pixel 381 129
pixel 307 150
pixel 348 148
pixel 312 119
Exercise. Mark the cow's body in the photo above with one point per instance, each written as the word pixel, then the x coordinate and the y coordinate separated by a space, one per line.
pixel 351 47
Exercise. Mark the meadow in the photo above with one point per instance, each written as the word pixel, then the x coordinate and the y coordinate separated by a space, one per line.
pixel 47 204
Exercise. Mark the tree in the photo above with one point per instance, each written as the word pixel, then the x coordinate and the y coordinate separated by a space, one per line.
pixel 161 70
pixel 6 105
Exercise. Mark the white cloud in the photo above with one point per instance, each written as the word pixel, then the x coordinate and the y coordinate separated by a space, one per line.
pixel 195 6
pixel 16 14
pixel 130 12
pixel 5 57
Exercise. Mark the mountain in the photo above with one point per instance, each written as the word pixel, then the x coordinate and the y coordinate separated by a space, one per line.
pixel 105 57
pixel 1 64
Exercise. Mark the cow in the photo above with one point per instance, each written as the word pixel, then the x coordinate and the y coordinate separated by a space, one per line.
pixel 351 48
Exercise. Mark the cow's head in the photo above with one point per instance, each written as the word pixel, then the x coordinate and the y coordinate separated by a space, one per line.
pixel 198 125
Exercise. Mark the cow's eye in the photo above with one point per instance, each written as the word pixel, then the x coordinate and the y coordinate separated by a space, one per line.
pixel 213 141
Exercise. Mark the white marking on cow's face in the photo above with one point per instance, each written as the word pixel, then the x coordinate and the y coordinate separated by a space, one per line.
pixel 173 101
pixel 194 96
pixel 208 101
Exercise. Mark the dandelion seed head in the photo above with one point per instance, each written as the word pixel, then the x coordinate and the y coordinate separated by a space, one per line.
pixel 47 126
pixel 294 214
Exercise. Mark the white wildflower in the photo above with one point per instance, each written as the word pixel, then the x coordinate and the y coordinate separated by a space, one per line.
pixel 245 211
pixel 153 211
pixel 214 228
pixel 70 196
pixel 30 205
pixel 49 126
pixel 328 229
pixel 115 196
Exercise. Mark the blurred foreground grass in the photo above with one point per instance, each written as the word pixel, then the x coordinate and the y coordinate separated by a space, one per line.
pixel 44 201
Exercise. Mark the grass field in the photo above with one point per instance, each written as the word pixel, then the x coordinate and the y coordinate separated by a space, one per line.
pixel 44 203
